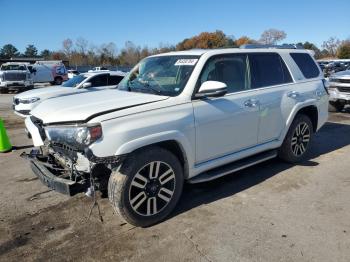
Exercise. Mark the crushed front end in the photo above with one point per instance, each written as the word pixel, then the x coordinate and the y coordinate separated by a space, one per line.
pixel 63 160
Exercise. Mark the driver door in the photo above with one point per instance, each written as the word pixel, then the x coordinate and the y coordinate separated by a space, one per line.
pixel 227 124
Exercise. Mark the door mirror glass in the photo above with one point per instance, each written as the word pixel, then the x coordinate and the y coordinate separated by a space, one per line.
pixel 86 85
pixel 212 89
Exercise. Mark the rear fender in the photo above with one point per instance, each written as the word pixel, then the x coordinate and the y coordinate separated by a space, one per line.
pixel 294 112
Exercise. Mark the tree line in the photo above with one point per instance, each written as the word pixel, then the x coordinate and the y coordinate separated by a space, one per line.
pixel 81 52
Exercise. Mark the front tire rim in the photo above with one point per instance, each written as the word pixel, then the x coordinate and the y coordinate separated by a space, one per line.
pixel 300 139
pixel 152 188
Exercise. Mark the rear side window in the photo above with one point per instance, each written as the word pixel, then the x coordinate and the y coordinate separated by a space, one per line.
pixel 306 64
pixel 268 69
pixel 114 80
pixel 99 80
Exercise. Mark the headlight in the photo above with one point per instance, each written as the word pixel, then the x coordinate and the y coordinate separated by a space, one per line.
pixel 78 136
pixel 29 100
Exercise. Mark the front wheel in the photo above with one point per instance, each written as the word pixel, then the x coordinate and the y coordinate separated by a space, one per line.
pixel 147 187
pixel 297 141
pixel 3 90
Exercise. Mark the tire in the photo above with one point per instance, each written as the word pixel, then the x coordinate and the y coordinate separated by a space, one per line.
pixel 4 90
pixel 335 107
pixel 296 146
pixel 58 81
pixel 141 197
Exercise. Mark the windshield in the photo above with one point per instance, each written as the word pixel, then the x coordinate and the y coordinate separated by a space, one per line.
pixel 12 67
pixel 163 75
pixel 75 81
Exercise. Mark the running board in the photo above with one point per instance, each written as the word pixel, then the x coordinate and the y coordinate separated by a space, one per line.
pixel 233 167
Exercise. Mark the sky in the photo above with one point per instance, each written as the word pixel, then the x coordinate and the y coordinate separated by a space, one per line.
pixel 46 23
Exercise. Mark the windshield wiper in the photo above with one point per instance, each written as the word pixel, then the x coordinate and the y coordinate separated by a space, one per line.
pixel 148 88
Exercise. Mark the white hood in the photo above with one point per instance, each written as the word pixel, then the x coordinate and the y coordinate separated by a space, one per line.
pixel 48 92
pixel 342 74
pixel 80 107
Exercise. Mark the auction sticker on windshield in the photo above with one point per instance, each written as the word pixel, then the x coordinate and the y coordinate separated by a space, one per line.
pixel 182 62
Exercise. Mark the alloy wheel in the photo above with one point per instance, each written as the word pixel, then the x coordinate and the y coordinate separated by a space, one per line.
pixel 300 139
pixel 152 188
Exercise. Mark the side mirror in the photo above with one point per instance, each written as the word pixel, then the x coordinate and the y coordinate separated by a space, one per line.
pixel 212 89
pixel 86 85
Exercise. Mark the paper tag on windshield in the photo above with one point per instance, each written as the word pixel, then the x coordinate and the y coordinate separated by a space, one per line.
pixel 183 62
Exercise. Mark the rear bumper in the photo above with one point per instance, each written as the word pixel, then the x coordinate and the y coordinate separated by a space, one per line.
pixel 48 178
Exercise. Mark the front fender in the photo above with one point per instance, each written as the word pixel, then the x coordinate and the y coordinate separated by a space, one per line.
pixel 152 139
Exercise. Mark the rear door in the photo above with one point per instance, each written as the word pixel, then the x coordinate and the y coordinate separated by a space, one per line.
pixel 227 124
pixel 114 80
pixel 98 82
pixel 272 82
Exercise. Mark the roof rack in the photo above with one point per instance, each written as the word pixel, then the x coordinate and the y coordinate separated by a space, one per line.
pixel 284 46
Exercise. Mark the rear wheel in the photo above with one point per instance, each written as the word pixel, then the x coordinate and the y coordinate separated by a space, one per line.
pixel 297 141
pixel 147 187
pixel 335 107
pixel 58 80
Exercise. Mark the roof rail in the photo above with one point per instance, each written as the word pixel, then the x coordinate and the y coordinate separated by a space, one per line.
pixel 284 46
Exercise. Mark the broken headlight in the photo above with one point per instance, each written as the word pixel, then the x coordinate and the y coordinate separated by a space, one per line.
pixel 78 136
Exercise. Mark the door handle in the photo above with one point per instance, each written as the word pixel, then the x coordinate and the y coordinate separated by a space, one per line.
pixel 293 94
pixel 251 103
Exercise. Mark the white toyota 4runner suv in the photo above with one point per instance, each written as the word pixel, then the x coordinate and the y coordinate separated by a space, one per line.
pixel 183 116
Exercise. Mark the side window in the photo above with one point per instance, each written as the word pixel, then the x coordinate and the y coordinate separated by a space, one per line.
pixel 268 69
pixel 99 80
pixel 306 64
pixel 114 80
pixel 230 69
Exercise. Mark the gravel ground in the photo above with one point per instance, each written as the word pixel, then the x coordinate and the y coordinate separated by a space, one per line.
pixel 270 212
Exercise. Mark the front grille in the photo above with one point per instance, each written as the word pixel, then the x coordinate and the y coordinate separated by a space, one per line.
pixel 65 150
pixel 24 112
pixel 346 81
pixel 14 76
pixel 344 89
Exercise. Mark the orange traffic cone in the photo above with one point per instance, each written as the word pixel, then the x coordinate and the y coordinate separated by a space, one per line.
pixel 5 144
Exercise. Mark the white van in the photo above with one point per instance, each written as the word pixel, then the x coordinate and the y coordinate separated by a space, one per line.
pixel 53 72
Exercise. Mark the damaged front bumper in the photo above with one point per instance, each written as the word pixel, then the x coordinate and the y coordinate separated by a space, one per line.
pixel 52 176
pixel 68 180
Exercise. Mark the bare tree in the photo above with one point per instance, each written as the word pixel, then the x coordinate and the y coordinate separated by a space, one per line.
pixel 82 45
pixel 67 45
pixel 108 54
pixel 331 45
pixel 272 36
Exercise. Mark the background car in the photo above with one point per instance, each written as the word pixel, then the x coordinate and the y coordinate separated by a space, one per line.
pixel 53 72
pixel 72 73
pixel 15 77
pixel 339 90
pixel 23 103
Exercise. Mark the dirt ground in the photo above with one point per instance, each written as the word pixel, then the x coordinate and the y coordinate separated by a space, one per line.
pixel 270 212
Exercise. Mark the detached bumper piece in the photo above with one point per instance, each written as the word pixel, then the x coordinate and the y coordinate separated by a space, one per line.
pixel 48 177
